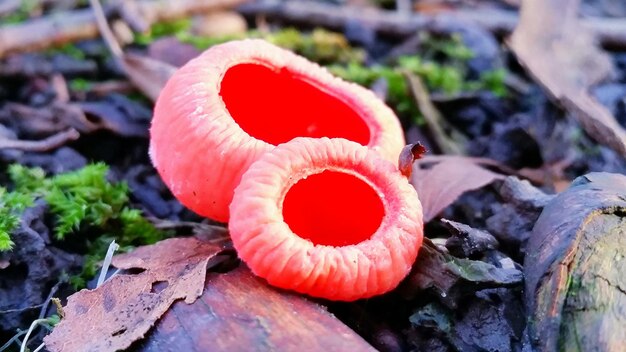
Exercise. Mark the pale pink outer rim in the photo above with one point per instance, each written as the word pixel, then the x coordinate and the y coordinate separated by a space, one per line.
pixel 193 134
pixel 267 245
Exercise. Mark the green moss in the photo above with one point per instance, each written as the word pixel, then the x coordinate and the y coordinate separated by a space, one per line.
pixel 80 85
pixel 69 49
pixel 442 65
pixel 162 29
pixel 84 204
pixel 12 204
pixel 22 14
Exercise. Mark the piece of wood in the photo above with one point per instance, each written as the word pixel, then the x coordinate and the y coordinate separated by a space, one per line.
pixel 574 270
pixel 240 312
pixel 70 26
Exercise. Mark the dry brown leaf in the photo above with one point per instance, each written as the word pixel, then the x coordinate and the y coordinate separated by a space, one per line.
pixel 124 308
pixel 562 55
pixel 239 311
pixel 439 186
pixel 147 74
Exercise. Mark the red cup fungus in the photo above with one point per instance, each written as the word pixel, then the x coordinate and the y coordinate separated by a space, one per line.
pixel 328 218
pixel 236 101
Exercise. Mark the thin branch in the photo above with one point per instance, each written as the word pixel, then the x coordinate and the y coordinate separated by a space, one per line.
pixel 71 26
pixel 43 145
pixel 448 139
pixel 105 30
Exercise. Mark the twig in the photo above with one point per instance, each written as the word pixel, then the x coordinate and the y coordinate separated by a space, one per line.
pixel 448 139
pixel 70 26
pixel 43 145
pixel 105 30
pixel 46 303
pixel 611 32
pixel 12 339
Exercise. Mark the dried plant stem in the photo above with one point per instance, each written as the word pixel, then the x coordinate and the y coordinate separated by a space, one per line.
pixel 107 262
pixel 43 145
pixel 447 138
pixel 33 325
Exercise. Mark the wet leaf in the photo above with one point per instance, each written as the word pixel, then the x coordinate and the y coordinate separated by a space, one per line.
pixel 30 270
pixel 513 220
pixel 117 114
pixel 574 269
pixel 490 320
pixel 573 65
pixel 125 307
pixel 238 311
pixel 466 241
pixel 440 185
pixel 453 278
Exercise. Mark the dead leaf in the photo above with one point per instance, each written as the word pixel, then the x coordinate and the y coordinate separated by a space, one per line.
pixel 563 56
pixel 239 311
pixel 452 279
pixel 114 315
pixel 148 75
pixel 439 186
pixel 172 51
pixel 408 155
pixel 574 268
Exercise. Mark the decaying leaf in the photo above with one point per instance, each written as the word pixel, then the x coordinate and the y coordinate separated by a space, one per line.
pixel 172 51
pixel 513 220
pixel 452 278
pixel 466 241
pixel 440 185
pixel 239 311
pixel 574 269
pixel 123 309
pixel 563 56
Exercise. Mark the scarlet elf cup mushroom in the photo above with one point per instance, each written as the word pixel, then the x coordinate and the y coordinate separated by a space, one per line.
pixel 236 101
pixel 326 217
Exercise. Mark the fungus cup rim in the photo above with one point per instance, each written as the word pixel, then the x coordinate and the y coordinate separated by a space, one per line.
pixel 271 250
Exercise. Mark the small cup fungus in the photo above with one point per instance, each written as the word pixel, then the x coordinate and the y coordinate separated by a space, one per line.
pixel 236 101
pixel 326 217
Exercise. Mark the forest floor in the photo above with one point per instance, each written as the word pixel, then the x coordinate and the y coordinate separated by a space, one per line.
pixel 512 105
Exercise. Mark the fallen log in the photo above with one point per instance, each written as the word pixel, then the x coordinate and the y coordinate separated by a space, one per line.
pixel 70 26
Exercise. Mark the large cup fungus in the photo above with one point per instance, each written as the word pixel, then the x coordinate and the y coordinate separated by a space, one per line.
pixel 326 217
pixel 236 101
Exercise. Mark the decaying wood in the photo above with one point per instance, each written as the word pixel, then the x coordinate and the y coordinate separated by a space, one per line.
pixel 70 26
pixel 239 311
pixel 574 269
pixel 610 32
